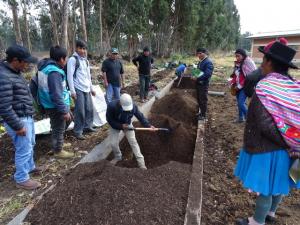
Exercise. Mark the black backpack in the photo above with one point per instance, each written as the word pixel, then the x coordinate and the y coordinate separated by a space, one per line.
pixel 76 66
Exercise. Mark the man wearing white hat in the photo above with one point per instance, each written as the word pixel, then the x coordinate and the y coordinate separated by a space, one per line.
pixel 119 114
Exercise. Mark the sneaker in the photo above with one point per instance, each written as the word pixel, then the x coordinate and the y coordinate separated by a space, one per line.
pixel 38 169
pixel 64 154
pixel 114 161
pixel 80 136
pixel 90 130
pixel 29 184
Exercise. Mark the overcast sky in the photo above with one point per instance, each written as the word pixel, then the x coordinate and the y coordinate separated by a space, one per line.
pixel 268 15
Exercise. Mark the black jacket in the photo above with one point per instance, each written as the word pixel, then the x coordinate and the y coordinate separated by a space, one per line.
pixel 115 115
pixel 261 133
pixel 144 64
pixel 16 100
pixel 251 81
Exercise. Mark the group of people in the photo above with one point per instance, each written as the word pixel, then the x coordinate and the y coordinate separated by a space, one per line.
pixel 57 80
pixel 272 130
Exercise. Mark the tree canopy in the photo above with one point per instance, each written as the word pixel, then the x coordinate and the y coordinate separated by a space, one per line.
pixel 166 26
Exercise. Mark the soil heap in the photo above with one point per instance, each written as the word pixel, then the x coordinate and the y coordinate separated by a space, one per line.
pixel 99 193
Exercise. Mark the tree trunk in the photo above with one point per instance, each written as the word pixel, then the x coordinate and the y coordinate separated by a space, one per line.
pixel 54 23
pixel 101 28
pixel 14 7
pixel 26 27
pixel 65 20
pixel 83 24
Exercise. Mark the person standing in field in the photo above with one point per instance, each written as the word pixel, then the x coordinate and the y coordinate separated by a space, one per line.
pixel 16 110
pixel 206 66
pixel 113 75
pixel 81 88
pixel 144 62
pixel 271 136
pixel 243 66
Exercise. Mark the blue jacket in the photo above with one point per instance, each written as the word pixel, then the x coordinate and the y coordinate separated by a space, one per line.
pixel 180 69
pixel 52 86
pixel 115 115
pixel 207 67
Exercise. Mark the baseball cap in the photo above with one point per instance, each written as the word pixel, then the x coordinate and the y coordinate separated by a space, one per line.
pixel 114 51
pixel 126 102
pixel 21 53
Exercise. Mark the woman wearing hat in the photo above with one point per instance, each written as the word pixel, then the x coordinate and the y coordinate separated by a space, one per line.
pixel 243 66
pixel 271 137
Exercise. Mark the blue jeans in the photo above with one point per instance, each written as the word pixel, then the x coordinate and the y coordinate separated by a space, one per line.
pixel 241 102
pixel 144 85
pixel 112 92
pixel 23 149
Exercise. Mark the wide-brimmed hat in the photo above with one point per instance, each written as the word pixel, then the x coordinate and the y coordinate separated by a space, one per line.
pixel 279 51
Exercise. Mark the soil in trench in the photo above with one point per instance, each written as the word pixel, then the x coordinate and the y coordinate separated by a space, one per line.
pixel 224 199
pixel 99 193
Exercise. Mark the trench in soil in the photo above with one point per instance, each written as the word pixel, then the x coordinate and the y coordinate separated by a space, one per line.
pixel 99 193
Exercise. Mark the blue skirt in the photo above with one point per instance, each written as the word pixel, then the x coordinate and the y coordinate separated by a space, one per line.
pixel 265 173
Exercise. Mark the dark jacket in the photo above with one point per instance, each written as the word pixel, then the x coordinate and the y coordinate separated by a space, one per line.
pixel 16 100
pixel 207 67
pixel 144 64
pixel 115 115
pixel 251 81
pixel 261 133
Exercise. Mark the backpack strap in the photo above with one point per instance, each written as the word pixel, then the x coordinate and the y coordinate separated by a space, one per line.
pixel 77 65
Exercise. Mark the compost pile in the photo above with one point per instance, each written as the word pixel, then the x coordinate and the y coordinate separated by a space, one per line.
pixel 185 83
pixel 99 193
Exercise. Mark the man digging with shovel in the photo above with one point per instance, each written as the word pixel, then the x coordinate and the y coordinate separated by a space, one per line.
pixel 119 114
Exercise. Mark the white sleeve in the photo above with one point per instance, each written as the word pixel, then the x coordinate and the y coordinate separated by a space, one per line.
pixel 70 74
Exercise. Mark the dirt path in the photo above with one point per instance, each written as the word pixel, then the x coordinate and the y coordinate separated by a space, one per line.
pixel 224 199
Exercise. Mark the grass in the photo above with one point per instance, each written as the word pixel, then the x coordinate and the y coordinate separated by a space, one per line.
pixel 11 206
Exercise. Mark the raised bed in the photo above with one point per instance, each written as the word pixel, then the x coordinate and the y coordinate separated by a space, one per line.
pixel 166 193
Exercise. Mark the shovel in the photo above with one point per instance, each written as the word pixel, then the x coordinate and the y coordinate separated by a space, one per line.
pixel 149 129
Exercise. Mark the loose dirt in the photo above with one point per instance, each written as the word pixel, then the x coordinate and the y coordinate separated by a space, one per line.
pixel 100 193
pixel 12 200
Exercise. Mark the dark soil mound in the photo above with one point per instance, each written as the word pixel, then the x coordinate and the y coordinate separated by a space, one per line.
pixel 181 106
pixel 99 193
pixel 161 147
pixel 131 90
pixel 186 83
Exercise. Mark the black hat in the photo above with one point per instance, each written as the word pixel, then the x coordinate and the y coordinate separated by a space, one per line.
pixel 21 53
pixel 280 52
pixel 241 52
pixel 202 50
pixel 146 49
